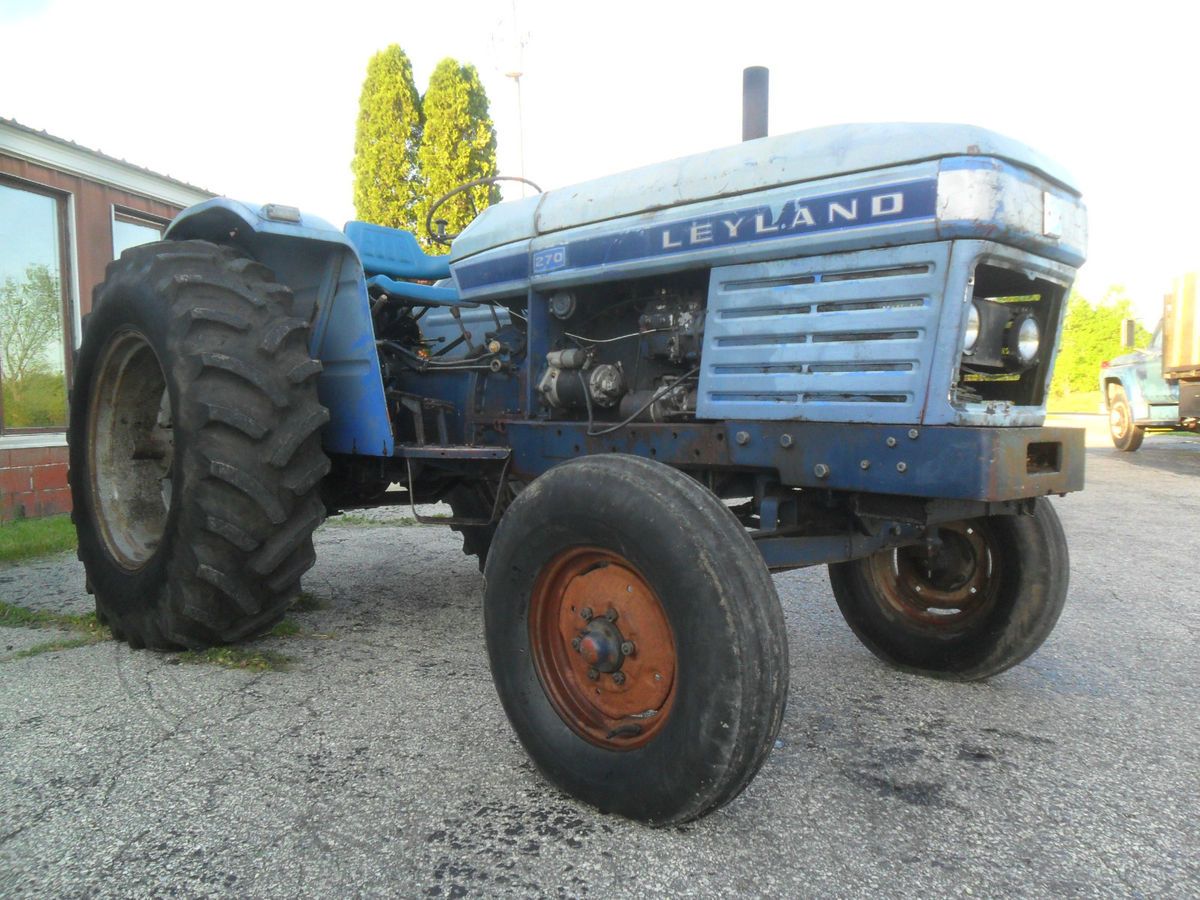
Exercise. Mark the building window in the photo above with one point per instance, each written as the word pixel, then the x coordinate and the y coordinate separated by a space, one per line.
pixel 130 230
pixel 33 304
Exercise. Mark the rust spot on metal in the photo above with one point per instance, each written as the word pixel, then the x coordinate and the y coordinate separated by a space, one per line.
pixel 614 699
pixel 947 586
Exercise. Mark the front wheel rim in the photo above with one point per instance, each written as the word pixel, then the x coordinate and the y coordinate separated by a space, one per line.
pixel 130 450
pixel 944 589
pixel 603 648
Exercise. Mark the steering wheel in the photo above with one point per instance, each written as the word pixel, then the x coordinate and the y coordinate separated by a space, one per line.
pixel 440 235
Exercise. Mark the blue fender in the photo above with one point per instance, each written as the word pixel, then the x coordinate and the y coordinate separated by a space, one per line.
pixel 329 289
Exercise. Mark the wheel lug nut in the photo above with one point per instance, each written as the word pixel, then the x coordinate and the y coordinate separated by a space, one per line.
pixel 618 677
pixel 593 674
pixel 575 642
pixel 586 613
pixel 611 615
pixel 627 648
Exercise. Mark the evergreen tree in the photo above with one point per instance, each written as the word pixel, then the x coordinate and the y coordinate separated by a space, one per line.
pixel 458 144
pixel 387 183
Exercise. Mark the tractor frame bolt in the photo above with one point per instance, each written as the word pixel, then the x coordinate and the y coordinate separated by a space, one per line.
pixel 575 642
pixel 865 464
pixel 627 648
pixel 901 467
pixel 742 437
pixel 785 440
pixel 593 674
pixel 912 433
pixel 618 677
pixel 611 615
pixel 891 442
pixel 821 470
pixel 586 613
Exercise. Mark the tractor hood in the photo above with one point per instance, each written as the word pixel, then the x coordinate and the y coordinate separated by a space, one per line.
pixel 753 165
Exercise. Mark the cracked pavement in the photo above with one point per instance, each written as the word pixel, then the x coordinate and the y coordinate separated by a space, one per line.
pixel 381 763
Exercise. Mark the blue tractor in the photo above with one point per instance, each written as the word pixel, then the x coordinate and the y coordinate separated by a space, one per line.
pixel 640 396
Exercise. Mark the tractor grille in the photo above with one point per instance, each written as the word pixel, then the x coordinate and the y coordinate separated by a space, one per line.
pixel 845 338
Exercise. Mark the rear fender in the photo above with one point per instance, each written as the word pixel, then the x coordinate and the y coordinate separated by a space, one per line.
pixel 329 291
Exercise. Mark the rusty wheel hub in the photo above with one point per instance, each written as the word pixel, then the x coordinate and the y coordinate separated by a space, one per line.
pixel 602 647
pixel 945 586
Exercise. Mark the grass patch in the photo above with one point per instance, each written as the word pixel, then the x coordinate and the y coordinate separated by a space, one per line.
pixel 63 644
pixel 1078 402
pixel 27 538
pixel 237 658
pixel 13 616
pixel 286 628
pixel 351 520
pixel 307 602
pixel 87 628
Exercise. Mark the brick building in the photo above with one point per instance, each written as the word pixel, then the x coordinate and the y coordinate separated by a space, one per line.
pixel 65 213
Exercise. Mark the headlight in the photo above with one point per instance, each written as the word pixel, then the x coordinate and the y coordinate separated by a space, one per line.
pixel 972 333
pixel 1028 338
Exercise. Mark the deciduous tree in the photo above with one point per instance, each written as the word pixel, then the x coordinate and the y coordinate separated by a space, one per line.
pixel 1091 334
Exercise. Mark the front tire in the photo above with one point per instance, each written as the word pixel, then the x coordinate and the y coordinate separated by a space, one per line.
pixel 983 602
pixel 635 638
pixel 195 450
pixel 1126 436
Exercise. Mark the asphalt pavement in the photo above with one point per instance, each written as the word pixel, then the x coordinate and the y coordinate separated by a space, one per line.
pixel 379 762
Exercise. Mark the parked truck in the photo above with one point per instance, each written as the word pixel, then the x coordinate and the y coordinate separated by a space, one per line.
pixel 1157 389
pixel 640 396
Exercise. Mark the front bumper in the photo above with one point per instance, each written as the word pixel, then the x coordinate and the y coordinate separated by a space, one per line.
pixel 946 461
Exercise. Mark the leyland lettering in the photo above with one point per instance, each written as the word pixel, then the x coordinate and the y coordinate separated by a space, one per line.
pixel 893 203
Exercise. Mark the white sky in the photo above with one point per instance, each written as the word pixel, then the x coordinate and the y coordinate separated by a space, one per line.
pixel 257 100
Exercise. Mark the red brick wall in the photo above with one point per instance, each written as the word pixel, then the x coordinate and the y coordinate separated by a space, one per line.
pixel 33 482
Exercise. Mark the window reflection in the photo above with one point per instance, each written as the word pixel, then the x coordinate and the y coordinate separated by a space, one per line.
pixel 32 345
pixel 130 232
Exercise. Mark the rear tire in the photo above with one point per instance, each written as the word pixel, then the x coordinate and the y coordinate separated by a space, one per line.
pixel 195 447
pixel 609 550
pixel 983 604
pixel 1126 436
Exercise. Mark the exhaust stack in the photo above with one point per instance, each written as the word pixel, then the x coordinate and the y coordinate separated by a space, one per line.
pixel 754 102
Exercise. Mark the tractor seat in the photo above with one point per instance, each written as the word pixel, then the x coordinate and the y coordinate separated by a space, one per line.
pixel 394 253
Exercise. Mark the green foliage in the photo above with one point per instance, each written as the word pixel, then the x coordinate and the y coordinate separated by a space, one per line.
pixel 237 658
pixel 31 350
pixel 25 538
pixel 286 628
pixel 458 145
pixel 307 602
pixel 387 184
pixel 1091 334
pixel 62 644
pixel 87 628
pixel 13 616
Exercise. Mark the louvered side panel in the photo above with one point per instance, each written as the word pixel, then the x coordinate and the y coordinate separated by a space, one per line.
pixel 841 338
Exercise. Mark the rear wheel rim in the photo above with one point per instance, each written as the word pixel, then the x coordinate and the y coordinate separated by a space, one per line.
pixel 130 450
pixel 603 648
pixel 949 589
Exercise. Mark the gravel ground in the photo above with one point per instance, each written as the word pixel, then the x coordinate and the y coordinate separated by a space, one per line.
pixel 380 762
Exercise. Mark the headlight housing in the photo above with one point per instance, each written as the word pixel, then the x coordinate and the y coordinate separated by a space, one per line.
pixel 971 335
pixel 1000 337
pixel 1025 339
